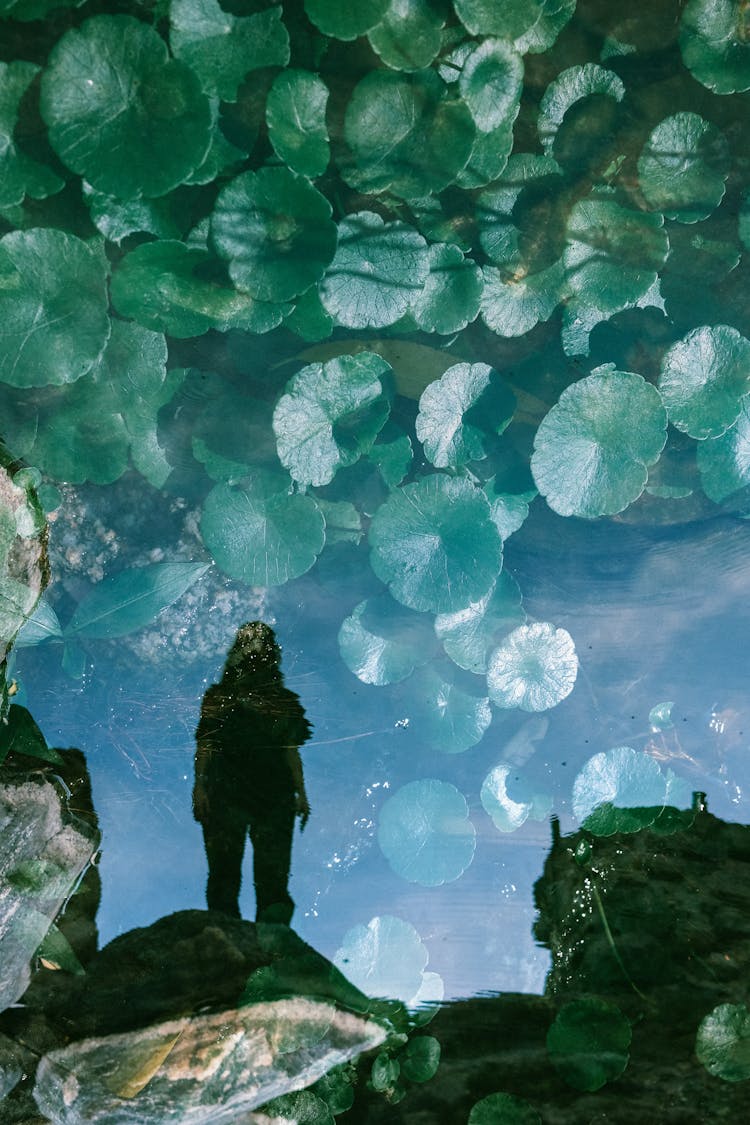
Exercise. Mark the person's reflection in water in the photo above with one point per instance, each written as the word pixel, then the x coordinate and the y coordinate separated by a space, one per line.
pixel 248 775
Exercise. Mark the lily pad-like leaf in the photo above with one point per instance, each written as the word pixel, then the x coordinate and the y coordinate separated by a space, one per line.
pixel 488 157
pixel 50 331
pixel 490 83
pixel 704 378
pixel 120 111
pixel 624 790
pixel 534 25
pixel 500 235
pixel 724 463
pixel 222 48
pixel 459 410
pixel 386 959
pixel 184 292
pixel 588 1043
pixel 445 716
pixel 425 833
pixel 19 174
pixel 382 643
pixel 434 544
pixel 514 302
pixel 450 297
pixel 275 230
pixel 308 318
pixel 345 21
pixel 508 509
pixel 534 668
pixel 683 167
pixel 125 602
pixel 469 634
pixel 420 1058
pixel 723 1042
pixel 408 36
pixel 262 533
pixel 392 453
pixel 331 414
pixel 715 44
pixel 378 270
pixel 593 449
pixel 116 218
pixel 506 813
pixel 296 118
pixel 408 134
pixel 569 88
pixel 503 1109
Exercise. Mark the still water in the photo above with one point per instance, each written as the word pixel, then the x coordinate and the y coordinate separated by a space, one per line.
pixel 375 405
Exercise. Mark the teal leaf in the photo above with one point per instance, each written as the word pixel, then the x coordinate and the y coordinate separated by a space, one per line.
pixel 308 318
pixel 185 292
pixel 222 48
pixel 20 734
pixel 343 521
pixel 303 1107
pixel 514 302
pixel 503 1109
pixel 19 174
pixel 378 270
pixel 263 534
pixel 588 1043
pixel 469 634
pixel 624 790
pixel 490 84
pixel 386 959
pixel 500 234
pixel 275 230
pixel 704 378
pixel 420 1058
pixel 724 463
pixel 450 297
pixel 722 1043
pixel 382 643
pixel 116 218
pixel 715 46
pixel 459 410
pixel 296 118
pixel 569 88
pixel 488 157
pixel 50 331
pixel 660 716
pixel 345 21
pixel 125 602
pixel 506 813
pixel 408 36
pixel 425 833
pixel 42 625
pixel 445 716
pixel 434 544
pixel 593 449
pixel 331 414
pixel 392 453
pixel 508 509
pixel 683 167
pixel 120 112
pixel 407 133
pixel 533 24
pixel 222 156
pixel 534 668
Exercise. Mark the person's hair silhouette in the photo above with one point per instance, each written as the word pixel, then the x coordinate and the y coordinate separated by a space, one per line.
pixel 248 775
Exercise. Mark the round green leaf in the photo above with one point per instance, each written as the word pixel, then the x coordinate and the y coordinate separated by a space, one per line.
pixel 724 463
pixel 345 21
pixel 459 410
pixel 623 790
pixel 409 35
pixel 507 814
pixel 184 292
pixel 392 453
pixel 704 378
pixel 303 1108
pixel 434 544
pixel 503 1109
pixel 308 318
pixel 384 959
pixel 715 43
pixel 508 509
pixel 533 24
pixel 379 268
pixel 447 717
pixel 407 134
pixel 420 1058
pixel 331 414
pixel 296 118
pixel 723 1042
pixel 534 668
pixel 19 174
pixel 222 48
pixel 275 230
pixel 120 112
pixel 570 87
pixel 262 534
pixel 382 643
pixel 468 634
pixel 489 156
pixel 593 449
pixel 514 302
pixel 117 218
pixel 499 233
pixel 683 167
pixel 51 331
pixel 490 83
pixel 450 297
pixel 588 1043
pixel 425 833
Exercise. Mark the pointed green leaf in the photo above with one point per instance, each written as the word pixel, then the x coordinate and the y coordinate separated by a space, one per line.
pixel 125 602
pixel 42 625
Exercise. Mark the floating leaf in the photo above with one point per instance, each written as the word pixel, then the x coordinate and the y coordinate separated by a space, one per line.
pixel 425 833
pixel 296 117
pixel 407 133
pixel 434 544
pixel 222 48
pixel 489 156
pixel 120 111
pixel 445 716
pixel 392 453
pixel 588 1043
pixel 723 1042
pixel 715 44
pixel 534 668
pixel 724 463
pixel 275 230
pixel 683 167
pixel 331 414
pixel 459 410
pixel 533 24
pixel 303 1108
pixel 345 21
pixel 508 509
pixel 507 814
pixel 420 1058
pixel 569 88
pixel 116 218
pixel 500 235
pixel 490 83
pixel 623 790
pixel 42 625
pixel 308 318
pixel 468 634
pixel 386 959
pixel 381 643
pixel 262 533
pixel 450 297
pixel 19 174
pixel 514 303
pixel 125 602
pixel 660 716
pixel 378 270
pixel 593 449
pixel 408 37
pixel 50 331
pixel 704 378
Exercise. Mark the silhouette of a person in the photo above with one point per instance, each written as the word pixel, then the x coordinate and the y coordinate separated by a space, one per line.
pixel 248 775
